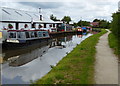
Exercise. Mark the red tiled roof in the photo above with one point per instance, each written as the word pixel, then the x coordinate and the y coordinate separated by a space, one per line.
pixel 94 23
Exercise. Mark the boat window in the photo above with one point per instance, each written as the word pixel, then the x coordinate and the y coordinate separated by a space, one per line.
pixel 45 34
pixel 19 34
pixel 35 33
pixel 12 35
pixel 40 34
pixel 32 34
pixel 27 34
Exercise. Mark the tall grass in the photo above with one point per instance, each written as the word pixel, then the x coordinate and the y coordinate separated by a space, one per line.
pixel 114 43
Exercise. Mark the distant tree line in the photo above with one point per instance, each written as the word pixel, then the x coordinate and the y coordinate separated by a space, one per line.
pixel 67 19
pixel 102 23
pixel 83 23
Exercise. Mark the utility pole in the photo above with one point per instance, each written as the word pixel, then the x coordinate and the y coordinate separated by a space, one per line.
pixel 119 6
pixel 39 10
pixel 40 14
pixel 65 25
pixel 81 21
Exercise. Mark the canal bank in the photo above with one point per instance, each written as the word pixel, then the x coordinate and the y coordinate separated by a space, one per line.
pixel 77 67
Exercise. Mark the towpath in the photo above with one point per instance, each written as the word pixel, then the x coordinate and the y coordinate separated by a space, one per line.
pixel 106 66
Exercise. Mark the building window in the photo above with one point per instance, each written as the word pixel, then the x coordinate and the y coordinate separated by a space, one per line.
pixel 33 25
pixel 39 26
pixel 10 26
pixel 53 25
pixel 25 26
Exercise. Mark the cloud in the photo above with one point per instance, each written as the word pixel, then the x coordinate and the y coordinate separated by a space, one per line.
pixel 76 9
pixel 44 5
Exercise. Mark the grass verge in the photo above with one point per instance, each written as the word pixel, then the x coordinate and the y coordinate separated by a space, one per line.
pixel 77 67
pixel 114 43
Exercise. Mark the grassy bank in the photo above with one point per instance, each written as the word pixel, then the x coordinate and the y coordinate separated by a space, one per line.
pixel 77 67
pixel 114 43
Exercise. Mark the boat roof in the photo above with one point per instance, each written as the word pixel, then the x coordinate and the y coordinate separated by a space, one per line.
pixel 24 30
pixel 53 22
pixel 15 15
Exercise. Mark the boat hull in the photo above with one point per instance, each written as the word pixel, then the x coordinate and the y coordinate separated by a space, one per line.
pixel 12 45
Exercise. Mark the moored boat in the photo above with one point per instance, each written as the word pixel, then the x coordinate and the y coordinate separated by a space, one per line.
pixel 22 36
pixel 79 31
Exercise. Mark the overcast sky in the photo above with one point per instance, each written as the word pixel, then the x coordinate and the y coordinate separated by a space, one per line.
pixel 76 9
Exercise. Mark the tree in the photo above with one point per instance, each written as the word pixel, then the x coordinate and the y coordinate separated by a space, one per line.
pixel 83 23
pixel 116 30
pixel 116 24
pixel 96 20
pixel 66 19
pixel 52 17
pixel 75 24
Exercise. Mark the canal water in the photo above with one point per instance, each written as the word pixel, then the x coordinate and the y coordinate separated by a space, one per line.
pixel 25 65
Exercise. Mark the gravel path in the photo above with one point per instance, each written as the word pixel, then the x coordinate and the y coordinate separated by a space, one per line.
pixel 106 66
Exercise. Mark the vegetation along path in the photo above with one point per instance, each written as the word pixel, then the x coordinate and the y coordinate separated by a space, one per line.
pixel 106 68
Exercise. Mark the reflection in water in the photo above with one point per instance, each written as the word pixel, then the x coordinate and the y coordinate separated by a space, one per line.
pixel 44 54
pixel 79 36
pixel 25 58
pixel 22 56
pixel 59 41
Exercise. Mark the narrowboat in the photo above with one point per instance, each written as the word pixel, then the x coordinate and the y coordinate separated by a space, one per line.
pixel 22 36
pixel 79 31
pixel 83 30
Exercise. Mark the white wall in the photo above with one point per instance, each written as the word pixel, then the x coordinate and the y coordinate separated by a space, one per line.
pixel 21 25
